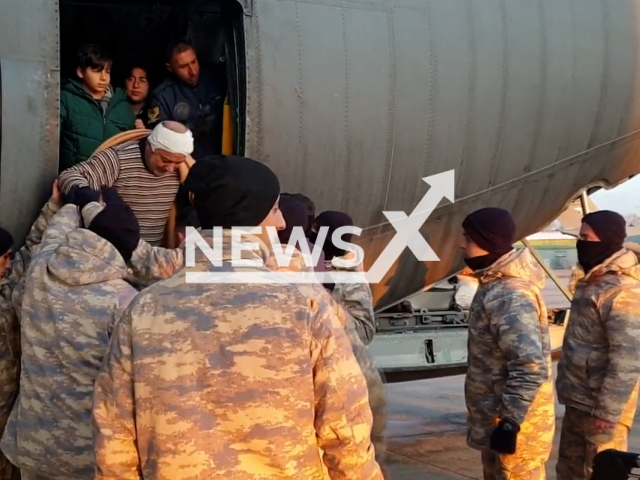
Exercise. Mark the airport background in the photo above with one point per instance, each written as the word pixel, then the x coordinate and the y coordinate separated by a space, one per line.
pixel 427 418
pixel 556 243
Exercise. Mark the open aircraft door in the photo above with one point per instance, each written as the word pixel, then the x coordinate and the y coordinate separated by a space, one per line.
pixel 29 110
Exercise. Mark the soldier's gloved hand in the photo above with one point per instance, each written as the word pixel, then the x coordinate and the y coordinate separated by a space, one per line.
pixel 504 437
pixel 111 196
pixel 81 196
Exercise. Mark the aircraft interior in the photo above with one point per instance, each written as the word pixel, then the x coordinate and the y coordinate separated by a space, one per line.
pixel 140 32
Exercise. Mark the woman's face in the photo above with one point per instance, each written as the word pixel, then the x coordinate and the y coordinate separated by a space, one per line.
pixel 137 86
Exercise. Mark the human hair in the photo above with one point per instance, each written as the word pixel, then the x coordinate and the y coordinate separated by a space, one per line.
pixel 176 48
pixel 94 57
pixel 142 66
pixel 187 217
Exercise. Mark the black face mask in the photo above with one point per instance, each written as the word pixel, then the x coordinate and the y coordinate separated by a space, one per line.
pixel 482 262
pixel 329 286
pixel 592 254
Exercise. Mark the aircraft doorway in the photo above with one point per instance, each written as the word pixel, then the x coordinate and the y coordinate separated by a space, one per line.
pixel 139 33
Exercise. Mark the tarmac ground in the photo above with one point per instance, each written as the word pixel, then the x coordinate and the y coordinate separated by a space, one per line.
pixel 426 432
pixel 426 426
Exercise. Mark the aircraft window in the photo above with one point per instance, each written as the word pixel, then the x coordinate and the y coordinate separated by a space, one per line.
pixel 140 32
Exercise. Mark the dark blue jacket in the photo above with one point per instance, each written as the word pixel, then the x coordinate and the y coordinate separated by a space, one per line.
pixel 199 108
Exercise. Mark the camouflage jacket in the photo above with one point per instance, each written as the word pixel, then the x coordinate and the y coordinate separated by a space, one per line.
pixel 357 299
pixel 375 381
pixel 11 287
pixel 510 373
pixel 73 295
pixel 148 264
pixel 151 264
pixel 600 364
pixel 576 274
pixel 231 381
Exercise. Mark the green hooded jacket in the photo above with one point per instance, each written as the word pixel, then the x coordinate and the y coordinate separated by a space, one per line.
pixel 84 125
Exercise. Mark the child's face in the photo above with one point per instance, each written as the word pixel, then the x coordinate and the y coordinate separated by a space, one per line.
pixel 96 81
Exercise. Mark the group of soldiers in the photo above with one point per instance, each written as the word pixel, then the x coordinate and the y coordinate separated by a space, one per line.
pixel 118 368
pixel 112 366
pixel 509 385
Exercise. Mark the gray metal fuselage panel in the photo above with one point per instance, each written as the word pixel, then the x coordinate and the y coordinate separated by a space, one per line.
pixel 352 102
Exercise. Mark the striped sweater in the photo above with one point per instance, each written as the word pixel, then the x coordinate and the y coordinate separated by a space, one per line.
pixel 123 168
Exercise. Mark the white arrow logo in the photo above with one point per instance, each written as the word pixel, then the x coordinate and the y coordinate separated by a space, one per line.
pixel 408 228
pixel 407 235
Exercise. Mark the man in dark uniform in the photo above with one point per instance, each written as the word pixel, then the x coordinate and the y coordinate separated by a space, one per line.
pixel 192 96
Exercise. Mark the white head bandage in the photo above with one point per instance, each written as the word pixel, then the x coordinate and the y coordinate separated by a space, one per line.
pixel 174 142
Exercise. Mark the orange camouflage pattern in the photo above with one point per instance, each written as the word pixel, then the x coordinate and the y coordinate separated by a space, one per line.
pixel 233 382
pixel 509 364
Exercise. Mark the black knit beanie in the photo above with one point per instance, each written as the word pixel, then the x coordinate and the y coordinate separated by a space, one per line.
pixel 492 229
pixel 230 191
pixel 117 224
pixel 294 214
pixel 610 227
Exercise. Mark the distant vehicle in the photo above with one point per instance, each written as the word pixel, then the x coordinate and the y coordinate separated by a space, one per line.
pixel 354 101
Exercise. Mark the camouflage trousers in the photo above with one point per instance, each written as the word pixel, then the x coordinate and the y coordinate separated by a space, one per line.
pixel 493 468
pixel 579 444
pixel 378 404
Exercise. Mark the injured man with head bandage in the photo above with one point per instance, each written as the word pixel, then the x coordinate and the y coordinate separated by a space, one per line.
pixel 144 172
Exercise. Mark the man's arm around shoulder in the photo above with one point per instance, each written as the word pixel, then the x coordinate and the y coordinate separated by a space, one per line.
pixel 152 264
pixel 343 417
pixel 98 171
pixel 63 222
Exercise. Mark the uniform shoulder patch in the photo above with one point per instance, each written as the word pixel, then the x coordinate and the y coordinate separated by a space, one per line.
pixel 153 114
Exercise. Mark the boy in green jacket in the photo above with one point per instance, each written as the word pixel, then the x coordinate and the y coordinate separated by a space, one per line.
pixel 91 111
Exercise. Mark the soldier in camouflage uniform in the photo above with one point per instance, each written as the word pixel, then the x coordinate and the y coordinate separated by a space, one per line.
pixel 356 301
pixel 9 347
pixel 11 285
pixel 355 297
pixel 375 380
pixel 599 370
pixel 509 382
pixel 232 381
pixel 73 295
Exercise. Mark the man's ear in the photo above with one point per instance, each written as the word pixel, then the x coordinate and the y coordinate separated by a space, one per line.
pixel 168 65
pixel 80 73
pixel 181 237
pixel 191 198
